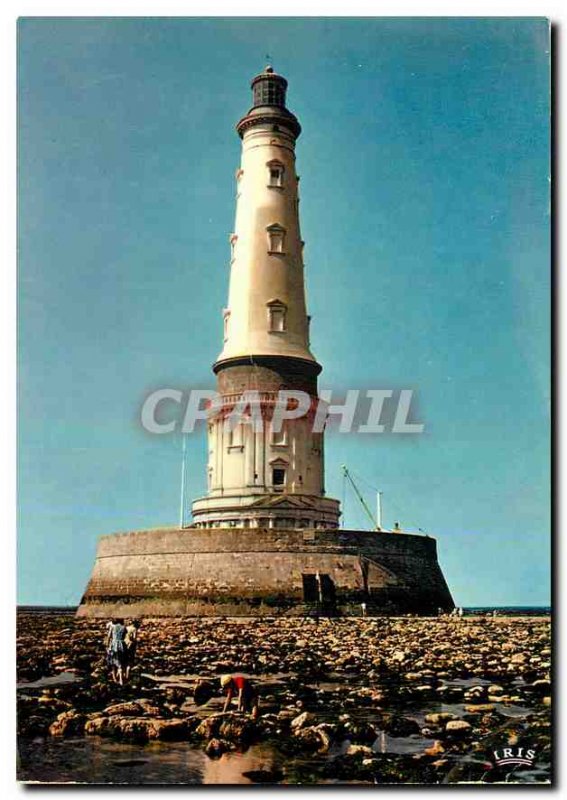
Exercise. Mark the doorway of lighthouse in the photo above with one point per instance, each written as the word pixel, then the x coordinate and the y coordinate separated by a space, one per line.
pixel 318 588
pixel 310 589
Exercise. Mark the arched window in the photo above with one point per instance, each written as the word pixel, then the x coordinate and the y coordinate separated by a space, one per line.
pixel 277 312
pixel 276 238
pixel 275 174
pixel 226 317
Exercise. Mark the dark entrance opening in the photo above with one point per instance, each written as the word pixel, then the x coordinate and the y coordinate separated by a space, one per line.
pixel 319 589
pixel 310 589
pixel 327 589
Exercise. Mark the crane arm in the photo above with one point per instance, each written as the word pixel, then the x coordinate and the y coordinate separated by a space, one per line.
pixel 371 516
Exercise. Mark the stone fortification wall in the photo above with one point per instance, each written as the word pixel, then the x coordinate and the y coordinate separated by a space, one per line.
pixel 243 571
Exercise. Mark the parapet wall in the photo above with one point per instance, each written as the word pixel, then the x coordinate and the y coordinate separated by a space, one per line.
pixel 255 571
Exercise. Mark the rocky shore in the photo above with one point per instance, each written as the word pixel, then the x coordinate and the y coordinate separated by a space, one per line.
pixel 379 701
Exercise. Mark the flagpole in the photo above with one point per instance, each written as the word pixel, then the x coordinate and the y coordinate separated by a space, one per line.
pixel 182 501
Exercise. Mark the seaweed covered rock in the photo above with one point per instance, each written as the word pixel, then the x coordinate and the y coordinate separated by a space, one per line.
pixel 313 740
pixel 69 723
pixel 137 729
pixel 397 725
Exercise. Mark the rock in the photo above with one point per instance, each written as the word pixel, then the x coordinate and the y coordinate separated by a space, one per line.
pixel 328 728
pixel 302 721
pixel 239 729
pixel 458 727
pixel 133 708
pixel 54 703
pixel 34 725
pixel 286 715
pixel 435 749
pixel 137 729
pixel 359 749
pixel 440 717
pixel 130 728
pixel 541 686
pixel 69 723
pixel 215 748
pixel 176 695
pixel 395 725
pixel 313 740
pixel 168 730
pixel 361 732
pixel 480 708
pixel 209 727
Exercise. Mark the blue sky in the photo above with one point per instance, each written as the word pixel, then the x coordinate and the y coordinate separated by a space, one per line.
pixel 425 210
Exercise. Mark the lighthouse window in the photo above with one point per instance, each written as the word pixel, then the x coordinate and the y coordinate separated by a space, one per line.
pixel 276 236
pixel 268 93
pixel 226 317
pixel 278 476
pixel 277 317
pixel 275 174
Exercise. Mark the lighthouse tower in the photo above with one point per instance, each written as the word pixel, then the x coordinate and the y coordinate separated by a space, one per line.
pixel 273 477
pixel 265 539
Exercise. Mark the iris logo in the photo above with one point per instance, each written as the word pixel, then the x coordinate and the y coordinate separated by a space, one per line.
pixel 514 755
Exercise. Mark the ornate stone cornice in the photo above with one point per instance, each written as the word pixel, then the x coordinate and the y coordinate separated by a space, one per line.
pixel 269 118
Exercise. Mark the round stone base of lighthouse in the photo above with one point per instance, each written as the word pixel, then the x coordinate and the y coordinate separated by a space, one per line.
pixel 244 572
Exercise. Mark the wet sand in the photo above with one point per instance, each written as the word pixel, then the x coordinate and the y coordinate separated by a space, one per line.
pixel 373 701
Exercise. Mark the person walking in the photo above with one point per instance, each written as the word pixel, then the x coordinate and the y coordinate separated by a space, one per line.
pixel 107 640
pixel 116 645
pixel 131 643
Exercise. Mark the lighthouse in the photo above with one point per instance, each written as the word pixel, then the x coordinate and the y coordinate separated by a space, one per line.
pixel 265 539
pixel 272 477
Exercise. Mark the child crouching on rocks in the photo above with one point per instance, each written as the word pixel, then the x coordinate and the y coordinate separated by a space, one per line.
pixel 247 695
pixel 230 685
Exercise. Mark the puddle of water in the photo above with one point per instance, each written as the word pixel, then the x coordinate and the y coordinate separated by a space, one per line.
pixel 468 682
pixel 401 745
pixel 52 680
pixel 99 761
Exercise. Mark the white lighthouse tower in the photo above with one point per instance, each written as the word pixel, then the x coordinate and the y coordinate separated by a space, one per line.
pixel 265 540
pixel 269 478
